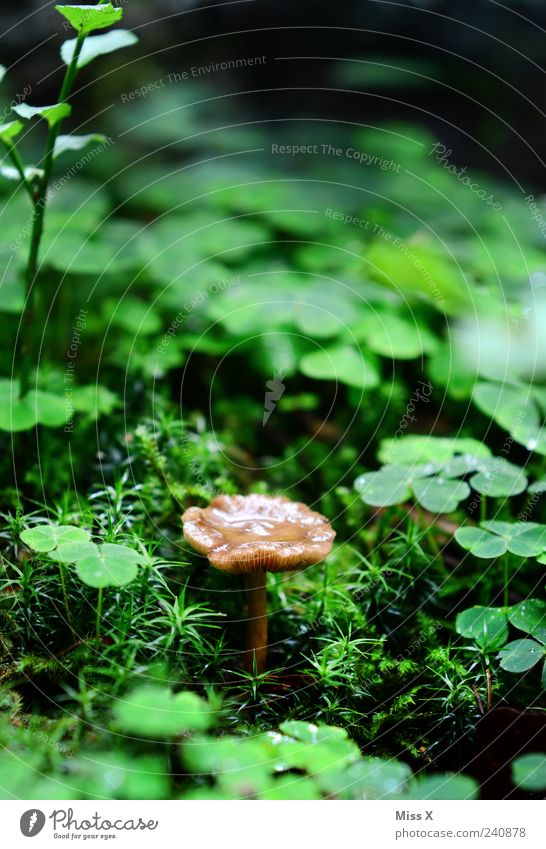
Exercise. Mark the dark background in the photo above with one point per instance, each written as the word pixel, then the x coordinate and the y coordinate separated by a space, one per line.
pixel 470 71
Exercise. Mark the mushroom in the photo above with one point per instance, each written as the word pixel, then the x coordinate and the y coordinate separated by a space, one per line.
pixel 252 535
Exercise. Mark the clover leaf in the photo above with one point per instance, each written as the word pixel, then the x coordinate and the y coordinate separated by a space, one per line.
pixel 429 449
pixel 521 655
pixel 154 712
pixel 530 616
pixel 45 538
pixel 493 538
pixel 529 772
pixel 36 407
pixel 487 626
pixel 343 364
pixel 440 495
pixel 108 565
pixel 428 468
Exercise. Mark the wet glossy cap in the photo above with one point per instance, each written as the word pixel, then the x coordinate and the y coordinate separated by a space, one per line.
pixel 244 533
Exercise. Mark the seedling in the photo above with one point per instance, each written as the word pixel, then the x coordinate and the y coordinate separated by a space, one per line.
pixel 21 407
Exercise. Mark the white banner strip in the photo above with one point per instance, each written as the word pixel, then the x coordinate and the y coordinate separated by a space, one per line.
pixel 270 825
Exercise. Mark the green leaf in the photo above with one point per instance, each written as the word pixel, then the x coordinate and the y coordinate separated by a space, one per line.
pixel 44 538
pixel 417 272
pixel 154 712
pixel 37 407
pixel 529 542
pixel 502 402
pixel 71 552
pixel 498 478
pixel 440 495
pixel 395 337
pixel 530 616
pixel 538 486
pixel 110 565
pixel 384 488
pixel 372 778
pixel 95 400
pixel 481 543
pixel 308 732
pixel 51 114
pixel 86 19
pixel 72 142
pixel 97 45
pixel 425 449
pixel 488 626
pixel 10 130
pixel 446 786
pixel 529 772
pixel 520 655
pixel 343 364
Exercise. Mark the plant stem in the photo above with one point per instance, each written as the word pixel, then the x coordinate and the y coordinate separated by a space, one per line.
pixel 505 579
pixel 256 635
pixel 65 597
pixel 24 339
pixel 99 612
pixel 18 163
pixel 483 508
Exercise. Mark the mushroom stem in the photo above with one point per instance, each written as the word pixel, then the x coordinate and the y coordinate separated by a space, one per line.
pixel 256 635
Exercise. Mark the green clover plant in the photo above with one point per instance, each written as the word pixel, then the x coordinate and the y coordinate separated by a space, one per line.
pixel 429 471
pixel 488 627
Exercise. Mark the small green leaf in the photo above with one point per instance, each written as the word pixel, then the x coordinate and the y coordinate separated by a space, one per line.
pixel 95 400
pixel 440 495
pixel 111 565
pixel 72 142
pixel 498 478
pixel 71 552
pixel 530 616
pixel 425 449
pixel 529 772
pixel 443 786
pixel 538 486
pixel 86 19
pixel 384 488
pixel 51 114
pixel 481 543
pixel 488 626
pixel 520 655
pixel 97 45
pixel 530 542
pixel 154 712
pixel 44 538
pixel 342 364
pixel 10 130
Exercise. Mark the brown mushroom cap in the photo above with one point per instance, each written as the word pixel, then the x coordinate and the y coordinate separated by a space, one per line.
pixel 246 533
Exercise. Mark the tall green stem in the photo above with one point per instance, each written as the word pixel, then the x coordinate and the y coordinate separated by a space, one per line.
pixel 65 597
pixel 99 613
pixel 505 578
pixel 24 340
